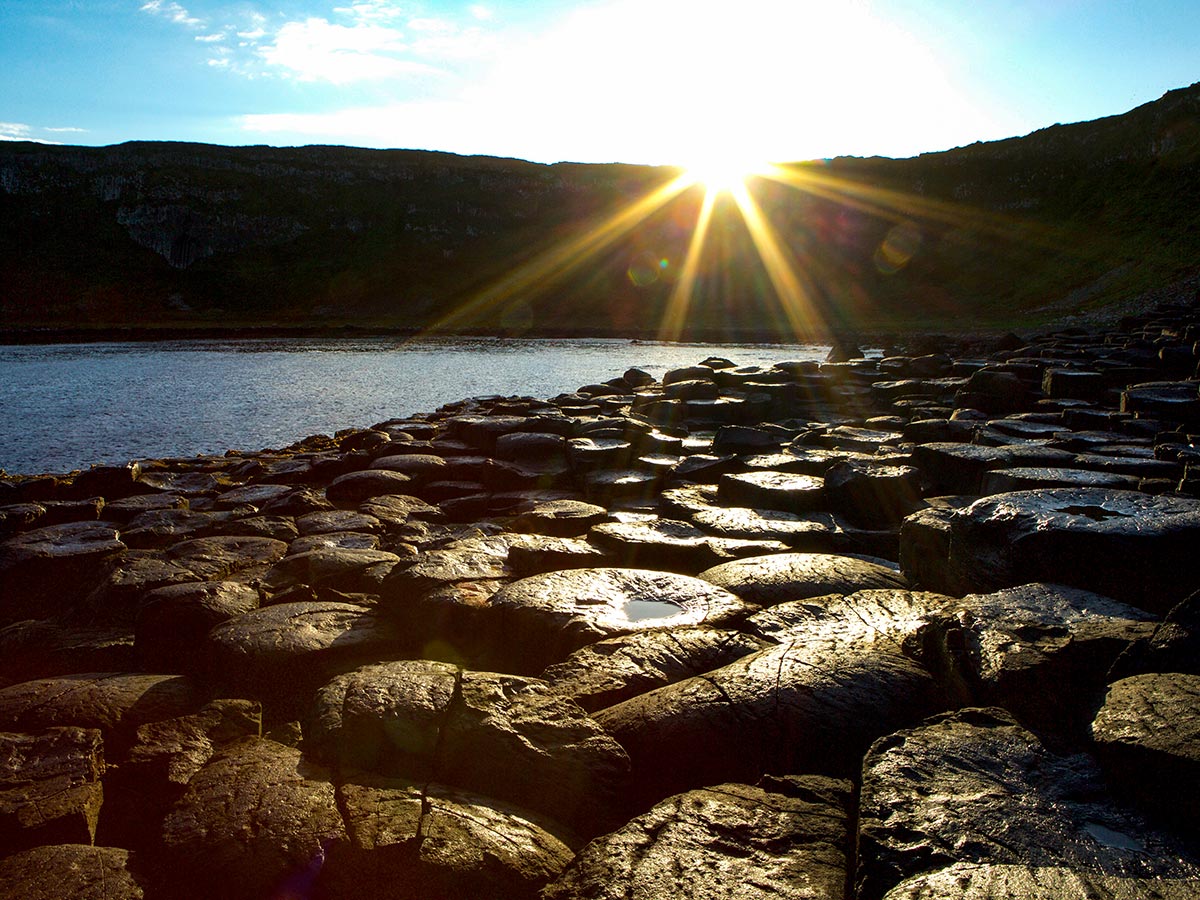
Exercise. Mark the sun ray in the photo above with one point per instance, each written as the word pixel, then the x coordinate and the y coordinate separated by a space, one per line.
pixel 794 298
pixel 559 261
pixel 680 300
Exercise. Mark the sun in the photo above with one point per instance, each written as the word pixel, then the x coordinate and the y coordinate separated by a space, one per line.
pixel 724 171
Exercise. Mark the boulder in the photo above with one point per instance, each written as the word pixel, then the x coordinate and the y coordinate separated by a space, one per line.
pixel 427 841
pixel 509 736
pixel 1147 735
pixel 115 703
pixel 78 871
pixel 837 680
pixel 255 821
pixel 780 577
pixel 541 619
pixel 50 790
pixel 975 787
pixel 1041 651
pixel 283 650
pixel 982 881
pixel 788 838
pixel 1126 545
pixel 47 570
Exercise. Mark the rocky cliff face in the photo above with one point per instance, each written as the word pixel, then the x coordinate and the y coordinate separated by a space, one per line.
pixel 166 232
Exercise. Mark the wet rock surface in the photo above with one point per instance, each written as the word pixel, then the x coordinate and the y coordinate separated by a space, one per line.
pixel 787 839
pixel 975 787
pixel 432 657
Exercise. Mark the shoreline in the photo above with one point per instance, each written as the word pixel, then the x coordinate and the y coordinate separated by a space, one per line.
pixel 897 603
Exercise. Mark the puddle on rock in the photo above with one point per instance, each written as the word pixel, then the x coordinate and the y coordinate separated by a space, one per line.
pixel 1114 839
pixel 640 610
pixel 1096 513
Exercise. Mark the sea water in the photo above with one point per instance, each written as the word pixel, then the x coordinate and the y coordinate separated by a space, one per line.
pixel 69 406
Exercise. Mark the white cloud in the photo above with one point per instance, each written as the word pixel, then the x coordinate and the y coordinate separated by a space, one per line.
pixel 213 38
pixel 18 131
pixel 172 11
pixel 67 130
pixel 481 12
pixel 319 50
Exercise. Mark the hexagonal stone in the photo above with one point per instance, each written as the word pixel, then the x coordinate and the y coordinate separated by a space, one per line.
pixel 50 791
pixel 173 621
pixel 837 680
pixel 1122 544
pixel 772 490
pixel 1042 651
pixel 981 881
pixel 780 577
pixel 790 839
pixel 427 840
pixel 541 619
pixel 354 487
pixel 254 817
pixel 71 870
pixel 46 570
pixel 672 545
pixel 613 670
pixel 1147 734
pixel 280 650
pixel 975 787
pixel 482 731
pixel 117 703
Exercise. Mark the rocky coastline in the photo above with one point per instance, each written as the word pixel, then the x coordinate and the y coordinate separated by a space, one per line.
pixel 918 626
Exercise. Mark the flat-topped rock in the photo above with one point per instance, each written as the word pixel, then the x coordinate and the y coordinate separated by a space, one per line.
pixel 983 881
pixel 41 570
pixel 780 577
pixel 542 619
pixel 509 736
pixel 254 816
pixel 610 671
pixel 173 621
pixel 975 787
pixel 772 490
pixel 1122 544
pixel 355 487
pixel 1147 734
pixel 1041 651
pixel 418 840
pixel 78 871
pixel 789 838
pixel 811 703
pixel 672 545
pixel 50 791
pixel 116 703
pixel 278 650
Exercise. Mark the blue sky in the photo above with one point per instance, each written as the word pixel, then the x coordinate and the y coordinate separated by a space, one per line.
pixel 644 81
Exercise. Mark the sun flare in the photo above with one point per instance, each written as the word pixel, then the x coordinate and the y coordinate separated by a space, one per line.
pixel 724 172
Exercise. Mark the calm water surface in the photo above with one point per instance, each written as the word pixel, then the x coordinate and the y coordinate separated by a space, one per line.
pixel 68 406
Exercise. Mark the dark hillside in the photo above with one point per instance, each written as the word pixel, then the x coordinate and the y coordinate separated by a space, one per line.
pixel 1067 219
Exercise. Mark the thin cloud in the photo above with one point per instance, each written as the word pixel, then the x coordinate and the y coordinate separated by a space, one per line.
pixel 18 131
pixel 67 130
pixel 214 38
pixel 173 12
